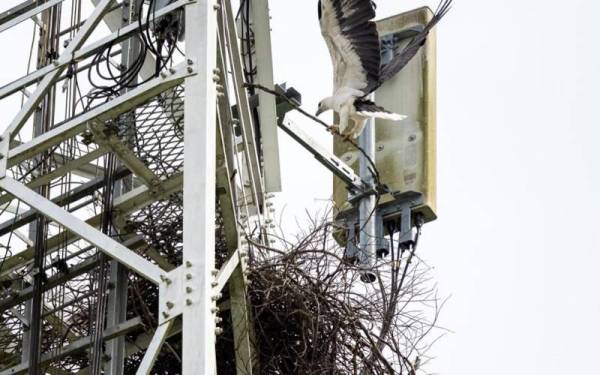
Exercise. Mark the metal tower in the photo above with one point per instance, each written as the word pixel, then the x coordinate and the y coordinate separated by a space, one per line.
pixel 139 191
pixel 136 163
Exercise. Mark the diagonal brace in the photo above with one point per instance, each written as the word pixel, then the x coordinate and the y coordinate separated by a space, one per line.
pixel 104 243
pixel 105 139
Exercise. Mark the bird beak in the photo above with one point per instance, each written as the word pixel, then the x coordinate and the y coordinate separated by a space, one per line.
pixel 319 111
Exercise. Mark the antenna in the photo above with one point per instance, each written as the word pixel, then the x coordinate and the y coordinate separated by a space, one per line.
pixel 139 168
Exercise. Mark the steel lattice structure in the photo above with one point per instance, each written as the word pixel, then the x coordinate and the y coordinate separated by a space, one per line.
pixel 121 219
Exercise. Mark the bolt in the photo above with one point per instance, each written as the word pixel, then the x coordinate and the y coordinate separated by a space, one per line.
pixel 218 319
pixel 216 7
pixel 188 289
pixel 170 304
pixel 214 310
pixel 380 148
pixel 188 302
pixel 165 314
pixel 165 279
pixel 214 272
pixel 190 62
pixel 412 138
pixel 218 331
pixel 217 71
pixel 188 264
pixel 214 284
pixel 188 276
pixel 172 70
pixel 190 69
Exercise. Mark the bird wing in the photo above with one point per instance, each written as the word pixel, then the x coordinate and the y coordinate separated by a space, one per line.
pixel 352 40
pixel 404 57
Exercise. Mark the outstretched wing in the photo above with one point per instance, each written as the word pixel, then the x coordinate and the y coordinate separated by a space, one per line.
pixel 352 40
pixel 404 57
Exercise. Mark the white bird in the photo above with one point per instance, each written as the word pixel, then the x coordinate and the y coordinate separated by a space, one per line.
pixel 353 42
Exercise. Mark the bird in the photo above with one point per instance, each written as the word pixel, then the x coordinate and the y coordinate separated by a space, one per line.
pixel 353 43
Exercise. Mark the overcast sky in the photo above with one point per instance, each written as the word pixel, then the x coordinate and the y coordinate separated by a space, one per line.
pixel 516 244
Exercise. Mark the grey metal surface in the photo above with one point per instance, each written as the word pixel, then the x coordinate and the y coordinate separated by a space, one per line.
pixel 267 112
pixel 9 22
pixel 154 348
pixel 200 132
pixel 103 242
pixel 367 205
pixel 161 166
pixel 77 346
pixel 333 163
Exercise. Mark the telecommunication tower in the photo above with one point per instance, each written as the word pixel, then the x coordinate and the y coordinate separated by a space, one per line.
pixel 136 161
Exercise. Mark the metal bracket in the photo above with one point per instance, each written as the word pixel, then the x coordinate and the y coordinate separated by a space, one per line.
pixel 400 209
pixel 329 160
pixel 172 294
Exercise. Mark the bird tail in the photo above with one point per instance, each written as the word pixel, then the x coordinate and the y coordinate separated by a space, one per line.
pixel 404 57
pixel 367 108
pixel 385 115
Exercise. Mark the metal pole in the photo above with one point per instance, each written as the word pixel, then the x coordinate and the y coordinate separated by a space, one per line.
pixel 367 205
pixel 267 112
pixel 198 354
pixel 117 299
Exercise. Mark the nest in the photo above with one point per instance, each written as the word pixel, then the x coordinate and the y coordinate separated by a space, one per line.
pixel 312 313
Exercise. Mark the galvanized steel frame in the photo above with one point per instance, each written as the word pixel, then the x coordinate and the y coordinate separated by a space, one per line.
pixel 200 169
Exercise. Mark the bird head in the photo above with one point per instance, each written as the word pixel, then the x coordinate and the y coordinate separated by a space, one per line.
pixel 324 106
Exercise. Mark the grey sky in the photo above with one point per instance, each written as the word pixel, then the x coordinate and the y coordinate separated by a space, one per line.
pixel 516 244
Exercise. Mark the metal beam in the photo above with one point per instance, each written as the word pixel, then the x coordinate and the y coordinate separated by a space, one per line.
pixel 78 346
pixel 7 23
pixel 198 352
pixel 104 112
pixel 228 32
pixel 266 111
pixel 114 21
pixel 153 350
pixel 124 153
pixel 46 84
pixel 104 243
pixel 137 199
pixel 84 52
pixel 240 321
pixel 71 196
pixel 142 342
pixel 17 10
pixel 226 271
pixel 329 160
pixel 52 282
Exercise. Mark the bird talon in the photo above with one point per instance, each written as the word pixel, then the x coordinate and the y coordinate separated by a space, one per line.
pixel 333 129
